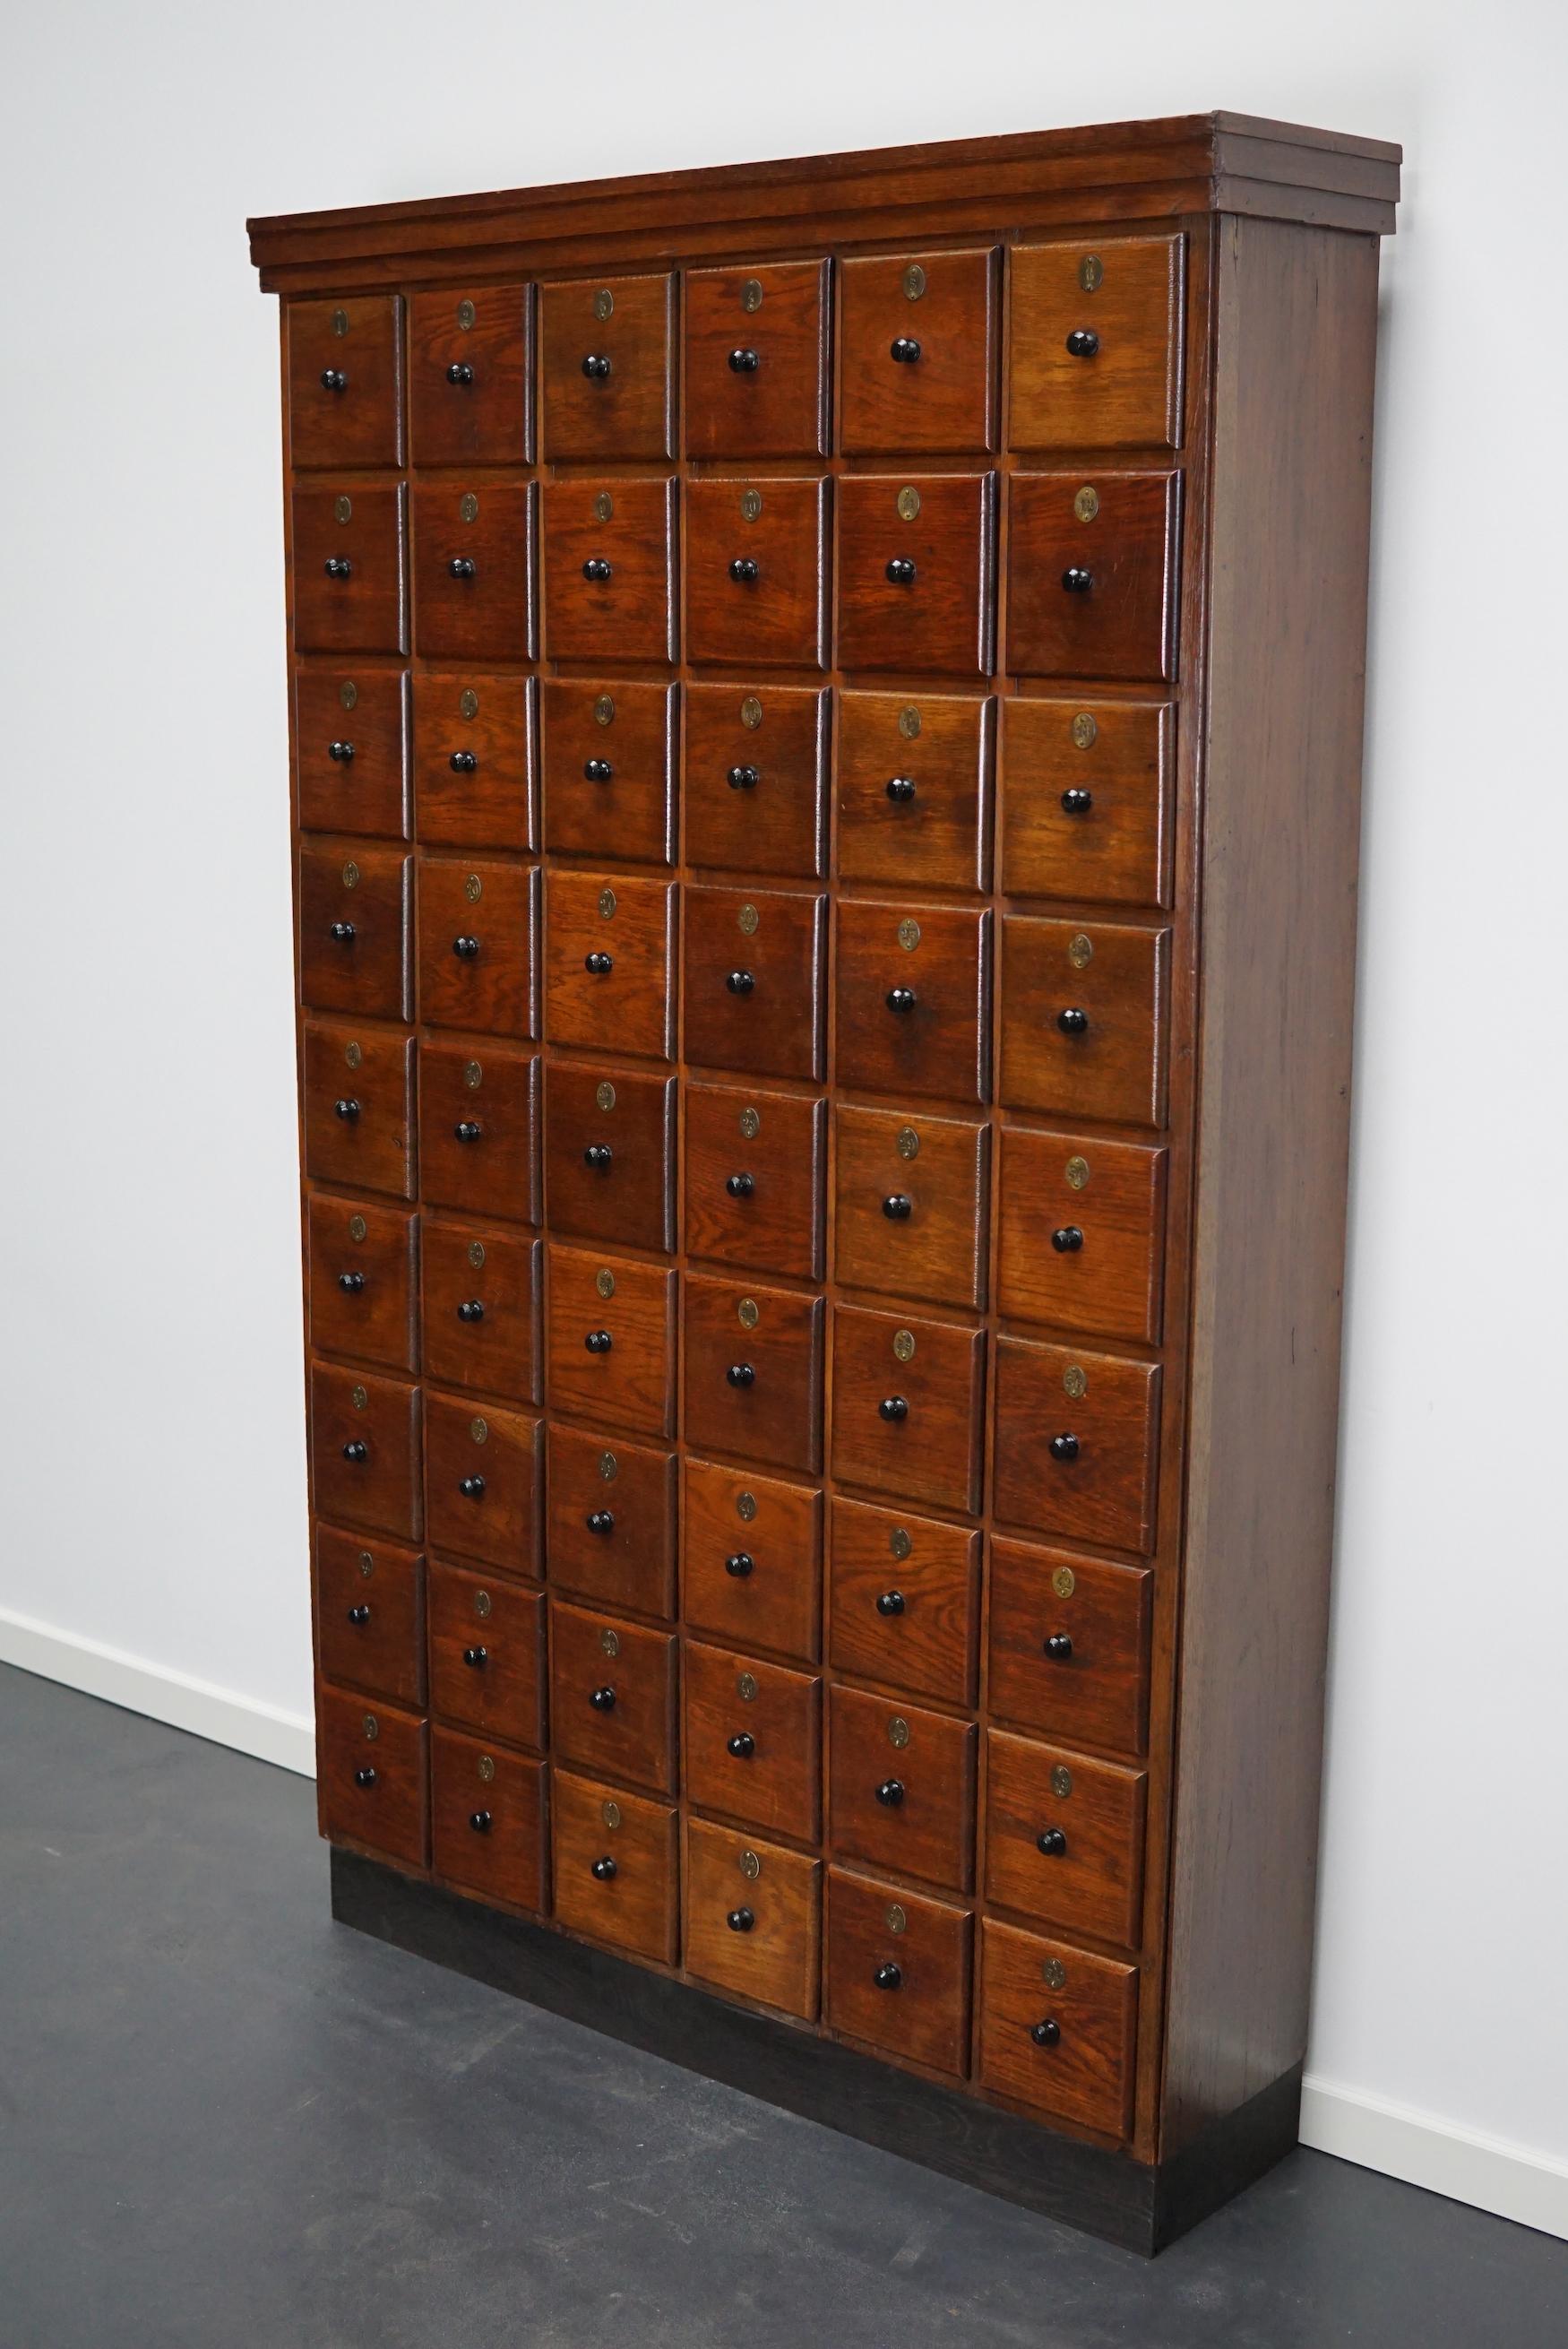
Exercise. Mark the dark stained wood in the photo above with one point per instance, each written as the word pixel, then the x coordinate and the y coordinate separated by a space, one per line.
pixel 370 1615
pixel 363 609
pixel 486 415
pixel 630 1007
pixel 945 398
pixel 358 1107
pixel 931 1451
pixel 362 1263
pixel 775 1415
pixel 1086 2076
pixel 770 943
pixel 610 1536
pixel 609 770
pixel 940 1045
pixel 487 1826
pixel 484 1481
pixel 773 1146
pixel 464 1265
pixel 1082 1233
pixel 1123 625
pixel 775 615
pixel 372 1775
pixel 753 1744
pixel 911 1222
pixel 487 613
pixel 756 361
pixel 363 789
pixel 365 1450
pixel 1117 979
pixel 771 1595
pixel 754 1918
pixel 629 1381
pixel 489 985
pixel 626 410
pixel 754 779
pixel 501 1626
pixel 927 1645
pixel 1092 1885
pixel 494 1171
pixel 923 2014
pixel 940 617
pixel 1094 1692
pixel 625 612
pixel 1107 1406
pixel 636 1906
pixel 901 1792
pixel 631 1199
pixel 914 788
pixel 629 1731
pixel 355 920
pixel 1120 844
pixel 1124 393
pixel 359 422
pixel 463 714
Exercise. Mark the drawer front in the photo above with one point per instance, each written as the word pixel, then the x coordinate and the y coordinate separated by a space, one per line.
pixel 473 569
pixel 898 1972
pixel 362 1261
pixel 470 376
pixel 914 790
pixel 1088 792
pixel 611 1534
pixel 1069 1645
pixel 911 1210
pixel 751 1558
pixel 609 770
pixel 753 1372
pixel 756 572
pixel 350 558
pixel 487 1655
pixel 605 368
pixel 1096 344
pixel 609 1155
pixel 1084 1012
pixel 908 1404
pixel 474 760
pixel 487 1828
pixel 754 1741
pixel 609 570
pixel 1091 574
pixel 345 392
pixel 615 1873
pixel 753 1919
pixel 754 980
pixel 905 1601
pixel 756 361
pixel 365 1450
pixel 1083 1233
pixel 371 1776
pixel 1057 2029
pixel 1064 1837
pixel 359 1108
pixel 902 1790
pixel 351 752
pixel 478 1113
pixel 370 1615
pixel 610 960
pixel 355 916
pixel 941 393
pixel 478 945
pixel 1077 1443
pixel 613 1696
pixel 483 1293
pixel 754 1174
pixel 484 1481
pixel 756 767
pixel 916 565
pixel 912 1000
pixel 611 1340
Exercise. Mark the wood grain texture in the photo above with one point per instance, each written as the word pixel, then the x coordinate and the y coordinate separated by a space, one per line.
pixel 610 1341
pixel 753 1741
pixel 488 1820
pixel 483 334
pixel 901 1791
pixel 478 945
pixel 626 410
pixel 1089 1883
pixel 1094 1690
pixel 628 1198
pixel 609 569
pixel 636 1906
pixel 1096 328
pixel 921 1949
pixel 755 1175
pixel 613 1696
pixel 776 614
pixel 478 1129
pixel 464 1266
pixel 370 1615
pixel 487 1653
pixel 1087 2074
pixel 1089 812
pixel 611 1531
pixel 754 1918
pixel 912 1222
pixel 609 769
pixel 363 1268
pixel 938 617
pixel 771 1411
pixel 351 739
pixel 475 752
pixel 486 612
pixel 753 973
pixel 774 322
pixel 925 1644
pixel 371 1783
pixel 365 1450
pixel 945 396
pixel 751 1559
pixel 484 1482
pixel 755 785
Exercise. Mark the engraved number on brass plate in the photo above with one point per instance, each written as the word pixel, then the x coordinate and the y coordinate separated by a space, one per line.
pixel 913 281
pixel 340 322
pixel 1084 729
pixel 467 314
pixel 1086 506
pixel 473 1075
pixel 473 888
pixel 607 904
pixel 900 1541
pixel 1056 1974
pixel 1077 1172
pixel 479 1429
pixel 750 1122
pixel 357 1227
pixel 747 921
pixel 610 1641
pixel 604 709
pixel 903 1345
pixel 482 1605
pixel 909 933
pixel 745 1686
pixel 1080 951
pixel 351 874
pixel 908 1142
pixel 469 507
pixel 603 507
pixel 1075 1381
pixel 750 505
pixel 604 1094
pixel 750 1866
pixel 751 295
pixel 476 1253
pixel 359 1399
pixel 894 1917
pixel 353 1054
pixel 908 502
pixel 348 693
pixel 343 509
pixel 468 703
pixel 1061 1782
pixel 371 1726
pixel 367 1564
pixel 751 713
pixel 604 1281
pixel 610 1813
pixel 603 303
pixel 1064 1582
pixel 909 721
pixel 748 1312
pixel 898 1731
pixel 487 1768
pixel 1091 271
pixel 609 1467
pixel 746 1507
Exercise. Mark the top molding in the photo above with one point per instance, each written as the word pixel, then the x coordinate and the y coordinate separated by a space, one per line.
pixel 1038 178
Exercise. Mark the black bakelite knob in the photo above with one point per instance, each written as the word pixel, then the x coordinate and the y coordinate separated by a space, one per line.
pixel 1059 1647
pixel 745 779
pixel 344 933
pixel 366 1778
pixel 743 1745
pixel 345 1109
pixel 462 762
pixel 1052 1842
pixel 900 998
pixel 598 964
pixel 904 349
pixel 598 1341
pixel 597 770
pixel 1083 342
pixel 898 1207
pixel 744 362
pixel 480 1821
pixel 467 1128
pixel 596 366
pixel 598 1155
pixel 1076 580
pixel 601 1521
pixel 890 1602
pixel 602 1869
pixel 740 1920
pixel 360 1614
pixel 742 1374
pixel 739 1563
pixel 900 570
pixel 356 1452
pixel 475 1658
pixel 338 566
pixel 334 379
pixel 472 1488
pixel 473 1309
pixel 1065 1447
pixel 892 1407
pixel 901 789
pixel 746 570
pixel 602 1699
pixel 351 1283
pixel 463 567
pixel 740 982
pixel 888 1976
pixel 1073 1022
pixel 740 1186
pixel 460 372
pixel 1077 801
pixel 597 568
pixel 341 752
pixel 1046 2033
pixel 1068 1240
pixel 890 1794
pixel 466 948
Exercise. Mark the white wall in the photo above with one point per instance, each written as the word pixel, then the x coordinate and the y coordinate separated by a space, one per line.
pixel 153 1464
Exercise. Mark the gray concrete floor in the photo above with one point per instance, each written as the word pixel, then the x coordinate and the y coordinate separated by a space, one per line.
pixel 224 2120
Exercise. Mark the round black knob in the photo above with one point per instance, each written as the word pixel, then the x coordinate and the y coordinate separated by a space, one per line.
pixel 1059 1647
pixel 739 1563
pixel 341 753
pixel 1052 1842
pixel 1083 342
pixel 742 1374
pixel 898 1207
pixel 900 570
pixel 901 789
pixel 463 567
pixel 740 982
pixel 892 1407
pixel 740 1920
pixel 596 366
pixel 740 1186
pixel 888 1976
pixel 345 1109
pixel 466 948
pixel 334 379
pixel 1073 1022
pixel 467 1128
pixel 480 1821
pixel 900 998
pixel 360 1615
pixel 602 1699
pixel 890 1794
pixel 598 1155
pixel 472 1488
pixel 462 762
pixel 1068 1240
pixel 743 1745
pixel 597 770
pixel 745 779
pixel 598 964
pixel 890 1602
pixel 1076 580
pixel 344 933
pixel 1046 2033
pixel 356 1452
pixel 602 1869
pixel 601 1521
pixel 746 570
pixel 598 1341
pixel 904 349
pixel 597 568
pixel 744 362
pixel 475 1658
pixel 338 566
pixel 351 1283
pixel 1077 801
pixel 473 1309
pixel 1065 1447
pixel 460 372
pixel 366 1778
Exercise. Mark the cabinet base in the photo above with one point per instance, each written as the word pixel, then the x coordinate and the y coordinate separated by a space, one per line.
pixel 1140 2205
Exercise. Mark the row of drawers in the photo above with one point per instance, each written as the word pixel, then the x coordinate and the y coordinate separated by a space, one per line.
pixel 1091 572
pixel 1094 360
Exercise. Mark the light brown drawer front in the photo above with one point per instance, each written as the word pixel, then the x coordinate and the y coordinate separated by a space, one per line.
pixel 372 1776
pixel 751 1549
pixel 1064 1837
pixel 1077 1443
pixel 1084 1013
pixel 905 1600
pixel 615 1870
pixel 1069 1645
pixel 613 1696
pixel 753 1918
pixel 898 1970
pixel 1087 800
pixel 1083 1233
pixel 1096 344
pixel 754 1741
pixel 1056 2029
pixel 487 1826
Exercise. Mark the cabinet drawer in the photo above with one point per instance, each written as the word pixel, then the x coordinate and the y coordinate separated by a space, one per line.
pixel 355 914
pixel 1056 2029
pixel 912 1198
pixel 372 1773
pixel 915 584
pixel 1091 574
pixel 754 980
pixel 908 1403
pixel 754 1740
pixel 478 1121
pixel 751 1559
pixel 1084 1012
pixel 1077 1443
pixel 362 1261
pixel 488 1820
pixel 905 1601
pixel 611 1340
pixel 484 1481
pixel 1083 1233
pixel 479 960
pixel 615 1873
pixel 359 1108
pixel 470 376
pixel 481 1295
pixel 346 393
pixel 756 572
pixel 753 1919
pixel 613 1696
pixel 350 751
pixel 609 570
pixel 474 760
pixel 370 1614
pixel 755 360
pixel 609 1155
pixel 753 1372
pixel 487 1655
pixel 912 997
pixel 605 368
pixel 365 1450
pixel 610 952
pixel 754 1168
pixel 902 1788
pixel 1069 1645
pixel 897 1976
pixel 611 1534
pixel 918 363
pixel 1064 1837
pixel 609 771
pixel 914 790
pixel 350 559
pixel 756 764
pixel 473 569
pixel 1088 789
pixel 1096 344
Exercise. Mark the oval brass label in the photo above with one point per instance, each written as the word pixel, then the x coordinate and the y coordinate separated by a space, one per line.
pixel 468 507
pixel 908 1142
pixel 913 282
pixel 1061 1780
pixel 467 314
pixel 604 1094
pixel 750 1867
pixel 359 1399
pixel 1080 951
pixel 908 502
pixel 610 1813
pixel 747 921
pixel 603 303
pixel 473 1075
pixel 348 693
pixel 610 1641
pixel 342 509
pixel 604 1281
pixel 473 888
pixel 901 1542
pixel 1075 1381
pixel 607 904
pixel 1084 729
pixel 909 721
pixel 748 1312
pixel 367 1564
pixel 1086 506
pixel 909 933
pixel 751 295
pixel 745 1686
pixel 487 1768
pixel 353 1054
pixel 898 1732
pixel 751 713
pixel 371 1726
pixel 351 874
pixel 340 322
pixel 1064 1582
pixel 357 1227
pixel 604 709
pixel 750 1123
pixel 1054 1974
pixel 609 1467
pixel 1076 1172
pixel 479 1429
pixel 903 1345
pixel 483 1604
pixel 894 1917
pixel 468 703
pixel 476 1253
pixel 1091 273
pixel 746 1507
pixel 603 507
pixel 750 505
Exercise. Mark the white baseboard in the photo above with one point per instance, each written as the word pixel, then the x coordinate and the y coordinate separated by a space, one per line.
pixel 287 1739
pixel 1512 2181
